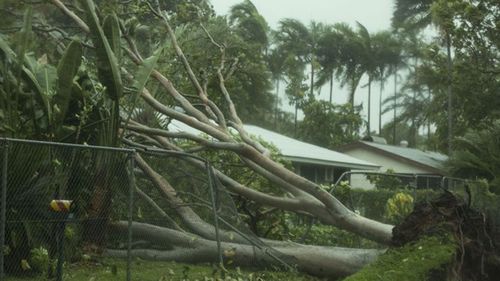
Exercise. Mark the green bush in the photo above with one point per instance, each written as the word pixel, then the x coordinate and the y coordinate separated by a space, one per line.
pixel 372 203
pixel 39 259
pixel 399 206
pixel 386 181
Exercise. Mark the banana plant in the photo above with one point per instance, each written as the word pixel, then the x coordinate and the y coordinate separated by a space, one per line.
pixel 67 70
pixel 140 79
pixel 106 40
pixel 48 90
pixel 108 68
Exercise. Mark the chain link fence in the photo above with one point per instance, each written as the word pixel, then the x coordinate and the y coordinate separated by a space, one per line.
pixel 113 193
pixel 108 192
pixel 39 237
pixel 389 197
pixel 420 187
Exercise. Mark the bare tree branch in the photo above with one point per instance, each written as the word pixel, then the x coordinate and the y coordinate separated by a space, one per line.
pixel 158 209
pixel 72 15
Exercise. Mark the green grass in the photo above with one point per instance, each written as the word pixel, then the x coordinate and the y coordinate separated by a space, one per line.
pixel 412 262
pixel 115 270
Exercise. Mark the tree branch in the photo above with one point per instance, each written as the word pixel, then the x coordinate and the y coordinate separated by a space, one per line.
pixel 72 15
pixel 158 209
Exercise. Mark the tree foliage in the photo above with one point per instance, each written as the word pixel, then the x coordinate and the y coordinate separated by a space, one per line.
pixel 328 125
pixel 477 155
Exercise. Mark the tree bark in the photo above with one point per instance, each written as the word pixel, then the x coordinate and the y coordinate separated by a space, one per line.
pixel 331 88
pixel 380 108
pixel 394 104
pixel 316 260
pixel 449 92
pixel 369 104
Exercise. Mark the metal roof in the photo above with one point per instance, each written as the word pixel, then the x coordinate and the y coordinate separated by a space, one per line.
pixel 294 150
pixel 302 152
pixel 428 158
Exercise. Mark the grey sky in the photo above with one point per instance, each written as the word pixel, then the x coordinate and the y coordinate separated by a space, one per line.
pixel 374 14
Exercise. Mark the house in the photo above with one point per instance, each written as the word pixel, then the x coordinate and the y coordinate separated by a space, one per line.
pixel 313 162
pixel 424 166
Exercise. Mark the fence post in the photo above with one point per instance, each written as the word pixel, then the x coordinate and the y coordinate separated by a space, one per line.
pixel 5 154
pixel 214 207
pixel 131 162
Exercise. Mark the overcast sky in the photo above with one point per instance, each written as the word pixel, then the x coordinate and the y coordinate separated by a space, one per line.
pixel 374 14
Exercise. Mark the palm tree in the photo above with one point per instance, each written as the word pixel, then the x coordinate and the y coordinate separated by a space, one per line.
pixel 396 63
pixel 414 48
pixel 298 45
pixel 329 56
pixel 412 14
pixel 276 64
pixel 316 30
pixel 364 63
pixel 368 64
pixel 478 155
pixel 251 25
pixel 416 15
pixel 413 106
pixel 351 58
pixel 387 52
pixel 293 38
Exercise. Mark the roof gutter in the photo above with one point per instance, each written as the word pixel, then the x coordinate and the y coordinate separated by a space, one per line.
pixel 330 163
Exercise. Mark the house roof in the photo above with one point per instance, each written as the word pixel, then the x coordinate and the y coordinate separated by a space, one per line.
pixel 428 159
pixel 294 150
pixel 303 152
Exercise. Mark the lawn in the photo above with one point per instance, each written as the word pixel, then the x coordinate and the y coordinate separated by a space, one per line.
pixel 115 270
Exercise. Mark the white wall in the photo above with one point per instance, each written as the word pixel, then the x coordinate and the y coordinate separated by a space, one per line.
pixel 359 181
pixel 386 162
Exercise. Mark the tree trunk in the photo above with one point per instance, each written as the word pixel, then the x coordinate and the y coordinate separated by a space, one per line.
pixel 331 88
pixel 312 77
pixel 316 260
pixel 394 104
pixel 380 108
pixel 428 119
pixel 276 113
pixel 413 128
pixel 369 104
pixel 295 118
pixel 449 93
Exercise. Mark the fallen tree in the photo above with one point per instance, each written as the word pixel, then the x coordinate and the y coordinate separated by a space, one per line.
pixel 223 131
pixel 317 260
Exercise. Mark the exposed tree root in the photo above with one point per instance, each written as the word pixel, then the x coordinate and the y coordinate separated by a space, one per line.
pixel 478 254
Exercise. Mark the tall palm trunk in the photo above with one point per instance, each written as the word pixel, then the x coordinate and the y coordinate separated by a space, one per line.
pixel 413 129
pixel 276 103
pixel 369 103
pixel 449 93
pixel 394 104
pixel 428 119
pixel 331 88
pixel 380 107
pixel 295 121
pixel 312 77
